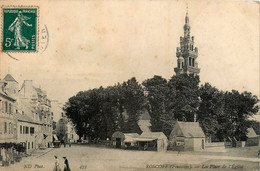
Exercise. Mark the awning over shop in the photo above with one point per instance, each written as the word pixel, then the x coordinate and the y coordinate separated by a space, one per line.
pixel 55 137
pixel 144 139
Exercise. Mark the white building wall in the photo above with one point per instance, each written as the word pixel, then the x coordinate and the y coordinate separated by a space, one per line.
pixel 198 144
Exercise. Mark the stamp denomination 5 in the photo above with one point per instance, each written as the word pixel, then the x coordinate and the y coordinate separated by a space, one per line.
pixel 19 29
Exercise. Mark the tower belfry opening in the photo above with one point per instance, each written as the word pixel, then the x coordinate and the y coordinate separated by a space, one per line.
pixel 187 53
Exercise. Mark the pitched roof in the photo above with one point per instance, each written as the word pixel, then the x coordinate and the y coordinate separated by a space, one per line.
pixel 129 137
pixel 144 125
pixel 191 129
pixel 152 135
pixel 251 133
pixel 9 77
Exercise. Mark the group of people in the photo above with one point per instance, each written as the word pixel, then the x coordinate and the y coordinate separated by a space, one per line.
pixel 57 165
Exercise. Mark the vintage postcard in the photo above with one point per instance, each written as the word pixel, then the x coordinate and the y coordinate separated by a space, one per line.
pixel 129 85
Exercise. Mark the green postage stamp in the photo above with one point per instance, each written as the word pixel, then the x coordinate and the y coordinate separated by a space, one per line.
pixel 19 29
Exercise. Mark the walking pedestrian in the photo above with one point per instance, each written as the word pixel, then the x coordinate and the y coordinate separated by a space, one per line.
pixel 57 165
pixel 66 164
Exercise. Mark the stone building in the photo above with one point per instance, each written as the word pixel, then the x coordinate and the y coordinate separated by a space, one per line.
pixel 7 120
pixel 8 127
pixel 32 113
pixel 187 53
pixel 187 136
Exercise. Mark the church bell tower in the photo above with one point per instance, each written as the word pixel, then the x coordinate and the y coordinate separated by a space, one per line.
pixel 187 53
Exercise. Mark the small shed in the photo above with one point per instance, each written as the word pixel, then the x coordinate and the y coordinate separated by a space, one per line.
pixel 118 139
pixel 121 140
pixel 187 136
pixel 156 141
pixel 129 141
pixel 252 138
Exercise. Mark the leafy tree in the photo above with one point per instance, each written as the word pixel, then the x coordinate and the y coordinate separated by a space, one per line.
pixel 97 113
pixel 168 101
pixel 156 93
pixel 185 99
pixel 210 110
pixel 133 102
pixel 238 108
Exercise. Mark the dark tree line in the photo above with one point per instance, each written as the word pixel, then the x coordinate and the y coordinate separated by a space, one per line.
pixel 97 113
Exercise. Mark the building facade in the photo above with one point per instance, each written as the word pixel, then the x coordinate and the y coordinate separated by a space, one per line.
pixel 187 53
pixel 8 122
pixel 32 113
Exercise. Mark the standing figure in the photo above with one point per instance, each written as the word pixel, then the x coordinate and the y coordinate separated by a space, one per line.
pixel 69 142
pixel 16 26
pixel 66 164
pixel 57 165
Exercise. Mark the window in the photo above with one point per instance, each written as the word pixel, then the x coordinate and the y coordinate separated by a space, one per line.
pixel 189 61
pixel 193 62
pixel 10 108
pixel 27 130
pixel 5 128
pixel 28 145
pixel 21 129
pixel 178 64
pixel 16 111
pixel 32 145
pixel 9 130
pixel 12 128
pixel 6 107
pixel 31 130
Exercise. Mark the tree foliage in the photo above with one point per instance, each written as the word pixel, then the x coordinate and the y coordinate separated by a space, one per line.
pixel 176 99
pixel 225 114
pixel 97 113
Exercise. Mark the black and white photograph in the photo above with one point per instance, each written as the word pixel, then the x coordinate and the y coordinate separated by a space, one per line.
pixel 127 85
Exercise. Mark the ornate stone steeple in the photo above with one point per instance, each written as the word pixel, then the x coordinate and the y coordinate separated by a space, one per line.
pixel 187 53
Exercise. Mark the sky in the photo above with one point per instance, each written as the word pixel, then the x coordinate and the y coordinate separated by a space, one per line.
pixel 100 43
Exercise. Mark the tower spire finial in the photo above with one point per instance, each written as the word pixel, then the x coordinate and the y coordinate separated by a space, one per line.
pixel 187 16
pixel 187 8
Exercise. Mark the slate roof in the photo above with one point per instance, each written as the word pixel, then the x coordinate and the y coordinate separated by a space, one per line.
pixel 9 77
pixel 251 133
pixel 191 129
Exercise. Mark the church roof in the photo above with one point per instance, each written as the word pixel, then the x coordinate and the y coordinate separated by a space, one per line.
pixel 191 129
pixel 9 77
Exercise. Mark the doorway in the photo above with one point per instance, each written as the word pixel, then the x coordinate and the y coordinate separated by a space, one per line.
pixel 118 142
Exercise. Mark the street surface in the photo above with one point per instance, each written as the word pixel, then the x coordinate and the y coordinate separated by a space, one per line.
pixel 84 157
